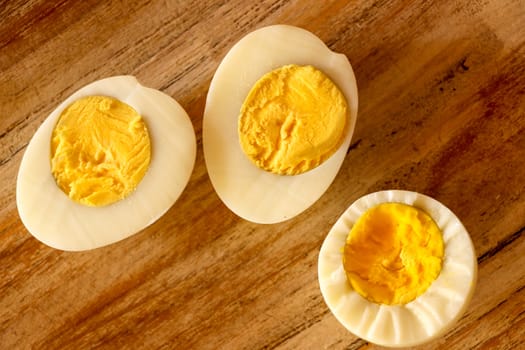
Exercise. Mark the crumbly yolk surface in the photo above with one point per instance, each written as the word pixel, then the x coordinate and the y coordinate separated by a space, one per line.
pixel 393 253
pixel 100 150
pixel 293 119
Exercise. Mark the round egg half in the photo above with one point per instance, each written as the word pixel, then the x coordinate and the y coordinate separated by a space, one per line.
pixel 250 192
pixel 52 217
pixel 427 316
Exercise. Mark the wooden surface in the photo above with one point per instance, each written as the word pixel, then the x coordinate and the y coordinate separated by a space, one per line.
pixel 441 111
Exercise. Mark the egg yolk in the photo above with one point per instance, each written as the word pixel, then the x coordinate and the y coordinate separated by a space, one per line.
pixel 293 119
pixel 100 150
pixel 393 253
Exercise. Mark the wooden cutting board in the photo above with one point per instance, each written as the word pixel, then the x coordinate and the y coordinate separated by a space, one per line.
pixel 441 112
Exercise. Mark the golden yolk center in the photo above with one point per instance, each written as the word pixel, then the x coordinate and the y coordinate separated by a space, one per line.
pixel 293 119
pixel 393 253
pixel 100 150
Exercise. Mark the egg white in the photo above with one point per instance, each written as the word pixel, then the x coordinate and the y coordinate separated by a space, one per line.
pixel 430 314
pixel 56 220
pixel 250 192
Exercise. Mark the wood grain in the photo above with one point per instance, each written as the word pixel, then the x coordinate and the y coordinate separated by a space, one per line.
pixel 441 111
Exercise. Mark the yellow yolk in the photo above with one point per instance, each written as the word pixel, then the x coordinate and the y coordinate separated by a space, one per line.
pixel 100 150
pixel 393 253
pixel 293 119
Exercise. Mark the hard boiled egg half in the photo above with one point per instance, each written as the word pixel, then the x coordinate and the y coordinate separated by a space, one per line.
pixel 279 117
pixel 397 269
pixel 107 162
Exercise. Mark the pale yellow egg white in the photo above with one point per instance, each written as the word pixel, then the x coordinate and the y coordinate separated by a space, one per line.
pixel 56 220
pixel 250 192
pixel 430 314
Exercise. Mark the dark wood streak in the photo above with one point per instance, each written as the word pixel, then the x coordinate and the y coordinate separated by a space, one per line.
pixel 12 155
pixel 353 146
pixel 500 245
pixel 15 32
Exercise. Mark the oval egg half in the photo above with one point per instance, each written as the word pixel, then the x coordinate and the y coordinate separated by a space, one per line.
pixel 426 317
pixel 58 221
pixel 250 192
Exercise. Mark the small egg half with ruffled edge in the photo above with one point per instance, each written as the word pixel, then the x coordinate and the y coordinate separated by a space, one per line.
pixel 430 314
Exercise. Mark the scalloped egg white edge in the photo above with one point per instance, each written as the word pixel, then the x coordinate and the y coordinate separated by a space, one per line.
pixel 252 193
pixel 56 220
pixel 428 316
